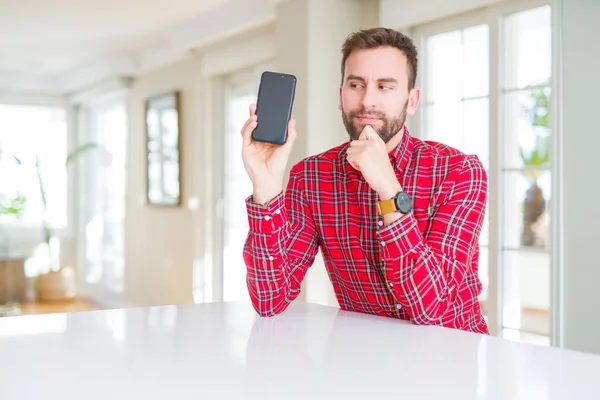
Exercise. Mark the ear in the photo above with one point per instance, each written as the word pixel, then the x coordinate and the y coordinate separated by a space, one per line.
pixel 413 101
pixel 340 99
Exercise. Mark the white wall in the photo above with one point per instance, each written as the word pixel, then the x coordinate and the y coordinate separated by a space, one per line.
pixel 580 142
pixel 160 240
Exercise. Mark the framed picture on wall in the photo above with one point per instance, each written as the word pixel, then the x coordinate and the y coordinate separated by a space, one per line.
pixel 163 131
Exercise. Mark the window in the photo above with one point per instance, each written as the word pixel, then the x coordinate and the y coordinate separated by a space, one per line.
pixel 234 92
pixel 525 173
pixel 34 134
pixel 456 101
pixel 103 199
pixel 457 97
pixel 486 91
pixel 240 92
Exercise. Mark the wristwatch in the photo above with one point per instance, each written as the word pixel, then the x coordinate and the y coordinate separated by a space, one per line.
pixel 401 202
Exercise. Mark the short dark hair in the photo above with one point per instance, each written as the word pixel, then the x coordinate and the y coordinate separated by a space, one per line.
pixel 378 37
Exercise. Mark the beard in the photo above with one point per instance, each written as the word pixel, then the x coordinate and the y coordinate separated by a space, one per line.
pixel 389 126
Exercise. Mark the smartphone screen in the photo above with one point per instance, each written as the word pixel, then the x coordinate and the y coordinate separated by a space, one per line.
pixel 274 107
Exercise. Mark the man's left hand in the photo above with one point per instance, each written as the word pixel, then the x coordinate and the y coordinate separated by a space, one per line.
pixel 369 155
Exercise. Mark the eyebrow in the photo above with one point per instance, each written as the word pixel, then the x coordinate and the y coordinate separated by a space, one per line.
pixel 361 79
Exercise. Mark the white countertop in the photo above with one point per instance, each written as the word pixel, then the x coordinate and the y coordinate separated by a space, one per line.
pixel 225 351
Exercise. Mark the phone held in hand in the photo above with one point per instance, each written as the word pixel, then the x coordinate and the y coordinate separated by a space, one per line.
pixel 274 107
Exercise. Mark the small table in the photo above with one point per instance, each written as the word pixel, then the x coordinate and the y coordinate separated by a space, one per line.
pixel 225 351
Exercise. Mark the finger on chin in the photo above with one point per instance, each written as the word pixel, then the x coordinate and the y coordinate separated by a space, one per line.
pixel 364 138
pixel 371 135
pixel 358 143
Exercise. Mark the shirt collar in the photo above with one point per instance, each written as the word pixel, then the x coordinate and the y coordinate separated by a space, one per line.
pixel 400 156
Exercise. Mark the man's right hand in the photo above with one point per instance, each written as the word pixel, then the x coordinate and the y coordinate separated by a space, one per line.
pixel 264 162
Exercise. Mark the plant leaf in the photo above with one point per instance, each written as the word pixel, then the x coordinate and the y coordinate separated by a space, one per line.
pixel 79 150
pixel 14 206
pixel 40 183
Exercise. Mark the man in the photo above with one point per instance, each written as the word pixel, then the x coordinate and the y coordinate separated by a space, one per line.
pixel 397 219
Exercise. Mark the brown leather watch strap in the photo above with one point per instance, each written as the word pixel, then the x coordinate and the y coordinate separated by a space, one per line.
pixel 386 206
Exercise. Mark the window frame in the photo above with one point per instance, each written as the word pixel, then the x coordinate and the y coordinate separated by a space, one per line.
pixel 214 66
pixel 493 17
pixel 85 110
pixel 34 231
pixel 221 94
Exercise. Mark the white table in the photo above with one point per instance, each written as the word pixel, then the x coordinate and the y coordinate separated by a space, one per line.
pixel 224 351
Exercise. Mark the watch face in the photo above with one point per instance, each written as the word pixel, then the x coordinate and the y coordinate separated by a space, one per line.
pixel 403 203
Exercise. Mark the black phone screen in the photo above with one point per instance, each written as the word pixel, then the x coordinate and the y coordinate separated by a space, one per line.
pixel 274 107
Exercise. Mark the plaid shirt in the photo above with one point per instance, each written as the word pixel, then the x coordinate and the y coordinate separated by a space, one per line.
pixel 421 268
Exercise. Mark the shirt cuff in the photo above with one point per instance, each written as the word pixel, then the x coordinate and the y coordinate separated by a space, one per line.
pixel 266 218
pixel 400 237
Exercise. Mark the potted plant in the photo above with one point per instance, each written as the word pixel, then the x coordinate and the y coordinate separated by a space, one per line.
pixel 12 206
pixel 534 161
pixel 58 282
pixel 13 281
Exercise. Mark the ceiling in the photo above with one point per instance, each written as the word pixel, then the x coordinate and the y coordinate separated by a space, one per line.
pixel 62 46
pixel 56 46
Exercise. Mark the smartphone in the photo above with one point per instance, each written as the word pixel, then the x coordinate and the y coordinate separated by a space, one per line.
pixel 274 107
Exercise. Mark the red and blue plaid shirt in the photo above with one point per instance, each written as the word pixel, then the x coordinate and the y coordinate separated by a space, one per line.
pixel 421 268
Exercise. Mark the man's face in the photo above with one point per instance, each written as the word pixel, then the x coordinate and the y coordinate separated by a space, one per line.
pixel 375 92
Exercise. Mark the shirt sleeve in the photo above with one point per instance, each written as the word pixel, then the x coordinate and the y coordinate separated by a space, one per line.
pixel 425 271
pixel 281 245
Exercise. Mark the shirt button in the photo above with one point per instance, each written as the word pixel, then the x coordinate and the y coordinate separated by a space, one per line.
pixel 383 243
pixel 267 217
pixel 277 211
pixel 391 284
pixel 380 223
pixel 271 258
pixel 398 306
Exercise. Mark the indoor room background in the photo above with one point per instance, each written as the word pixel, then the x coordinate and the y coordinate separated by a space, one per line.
pixel 121 178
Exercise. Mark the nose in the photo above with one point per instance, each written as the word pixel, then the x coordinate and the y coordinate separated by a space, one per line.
pixel 368 98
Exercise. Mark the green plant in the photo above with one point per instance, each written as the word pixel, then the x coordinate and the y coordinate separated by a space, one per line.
pixel 16 206
pixel 72 156
pixel 535 160
pixel 13 206
pixel 538 112
pixel 538 157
